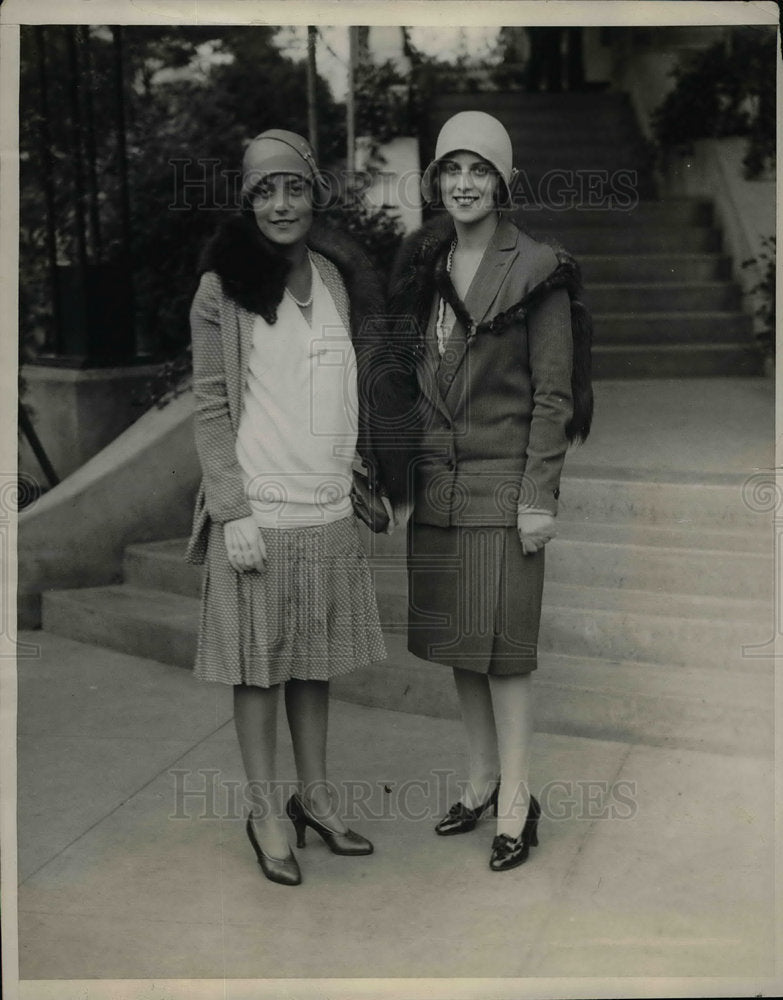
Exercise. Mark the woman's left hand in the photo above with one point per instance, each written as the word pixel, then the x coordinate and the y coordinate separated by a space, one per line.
pixel 535 530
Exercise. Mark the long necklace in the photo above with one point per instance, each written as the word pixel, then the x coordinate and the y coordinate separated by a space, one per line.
pixel 309 300
pixel 440 323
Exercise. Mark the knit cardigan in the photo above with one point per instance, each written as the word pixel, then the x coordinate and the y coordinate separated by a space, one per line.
pixel 242 275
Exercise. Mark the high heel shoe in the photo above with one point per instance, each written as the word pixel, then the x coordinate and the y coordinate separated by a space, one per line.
pixel 508 852
pixel 282 870
pixel 462 819
pixel 349 843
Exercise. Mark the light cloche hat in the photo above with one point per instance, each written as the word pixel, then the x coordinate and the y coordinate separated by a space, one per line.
pixel 475 132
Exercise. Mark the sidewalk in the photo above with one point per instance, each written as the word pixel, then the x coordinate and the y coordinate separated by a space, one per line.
pixel 654 862
pixel 113 886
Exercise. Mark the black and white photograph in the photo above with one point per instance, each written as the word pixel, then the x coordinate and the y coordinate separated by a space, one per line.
pixel 390 535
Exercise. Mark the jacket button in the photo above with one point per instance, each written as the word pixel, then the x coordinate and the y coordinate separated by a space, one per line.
pixel 449 377
pixel 450 465
pixel 556 492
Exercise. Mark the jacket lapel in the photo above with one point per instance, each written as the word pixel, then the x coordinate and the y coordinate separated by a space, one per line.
pixel 498 257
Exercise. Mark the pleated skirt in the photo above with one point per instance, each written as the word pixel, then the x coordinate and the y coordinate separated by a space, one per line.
pixel 474 598
pixel 310 614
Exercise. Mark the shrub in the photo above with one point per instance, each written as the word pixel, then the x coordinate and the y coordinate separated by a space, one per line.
pixel 726 89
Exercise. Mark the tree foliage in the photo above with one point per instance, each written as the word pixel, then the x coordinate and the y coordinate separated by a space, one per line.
pixel 191 94
pixel 726 89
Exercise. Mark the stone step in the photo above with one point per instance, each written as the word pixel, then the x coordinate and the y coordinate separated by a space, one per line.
pixel 650 239
pixel 514 104
pixel 677 361
pixel 661 297
pixel 585 124
pixel 701 526
pixel 671 267
pixel 150 623
pixel 614 623
pixel 561 164
pixel 686 705
pixel 681 328
pixel 589 620
pixel 673 212
pixel 652 704
pixel 704 503
pixel 709 633
pixel 663 561
pixel 162 566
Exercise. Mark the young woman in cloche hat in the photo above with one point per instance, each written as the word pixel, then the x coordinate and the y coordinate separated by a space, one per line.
pixel 501 385
pixel 282 358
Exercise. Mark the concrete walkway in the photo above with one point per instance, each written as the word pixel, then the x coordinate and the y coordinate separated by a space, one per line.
pixel 654 863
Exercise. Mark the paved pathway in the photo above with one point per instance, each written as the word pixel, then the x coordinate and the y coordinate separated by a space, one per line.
pixel 653 862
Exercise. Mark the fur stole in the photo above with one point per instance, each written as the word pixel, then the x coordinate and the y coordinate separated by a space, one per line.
pixel 420 273
pixel 254 274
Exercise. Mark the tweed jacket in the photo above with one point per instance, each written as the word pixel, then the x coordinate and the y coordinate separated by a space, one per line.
pixel 241 277
pixel 496 405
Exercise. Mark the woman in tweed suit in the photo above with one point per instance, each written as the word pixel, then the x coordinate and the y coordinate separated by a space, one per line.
pixel 503 385
pixel 280 383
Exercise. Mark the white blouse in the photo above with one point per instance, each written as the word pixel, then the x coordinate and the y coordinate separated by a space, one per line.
pixel 298 430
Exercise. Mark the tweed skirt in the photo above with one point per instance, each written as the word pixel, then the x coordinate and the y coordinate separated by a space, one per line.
pixel 310 614
pixel 474 598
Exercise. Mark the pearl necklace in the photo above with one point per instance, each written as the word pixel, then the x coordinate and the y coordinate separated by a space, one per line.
pixel 309 300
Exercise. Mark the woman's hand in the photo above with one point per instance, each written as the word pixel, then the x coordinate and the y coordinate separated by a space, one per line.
pixel 244 545
pixel 535 530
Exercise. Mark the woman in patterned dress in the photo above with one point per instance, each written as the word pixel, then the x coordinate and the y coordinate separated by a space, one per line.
pixel 280 384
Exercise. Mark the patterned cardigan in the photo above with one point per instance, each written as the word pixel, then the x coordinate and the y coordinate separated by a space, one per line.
pixel 242 276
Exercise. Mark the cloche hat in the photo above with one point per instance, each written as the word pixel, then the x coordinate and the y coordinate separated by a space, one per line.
pixel 476 132
pixel 278 151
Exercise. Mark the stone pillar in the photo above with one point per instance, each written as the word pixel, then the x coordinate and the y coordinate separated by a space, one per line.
pixel 77 412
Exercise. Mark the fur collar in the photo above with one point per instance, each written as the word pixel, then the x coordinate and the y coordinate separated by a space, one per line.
pixel 420 273
pixel 253 274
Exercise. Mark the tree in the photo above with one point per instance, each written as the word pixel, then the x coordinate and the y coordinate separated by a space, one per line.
pixel 192 94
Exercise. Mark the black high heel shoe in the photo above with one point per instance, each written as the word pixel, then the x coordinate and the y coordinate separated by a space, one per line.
pixel 285 871
pixel 349 843
pixel 508 852
pixel 462 819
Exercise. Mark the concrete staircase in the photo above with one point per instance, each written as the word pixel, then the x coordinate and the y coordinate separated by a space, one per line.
pixel 646 615
pixel 659 591
pixel 655 275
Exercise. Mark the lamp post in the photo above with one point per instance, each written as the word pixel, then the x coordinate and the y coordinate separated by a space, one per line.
pixel 350 100
pixel 312 115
